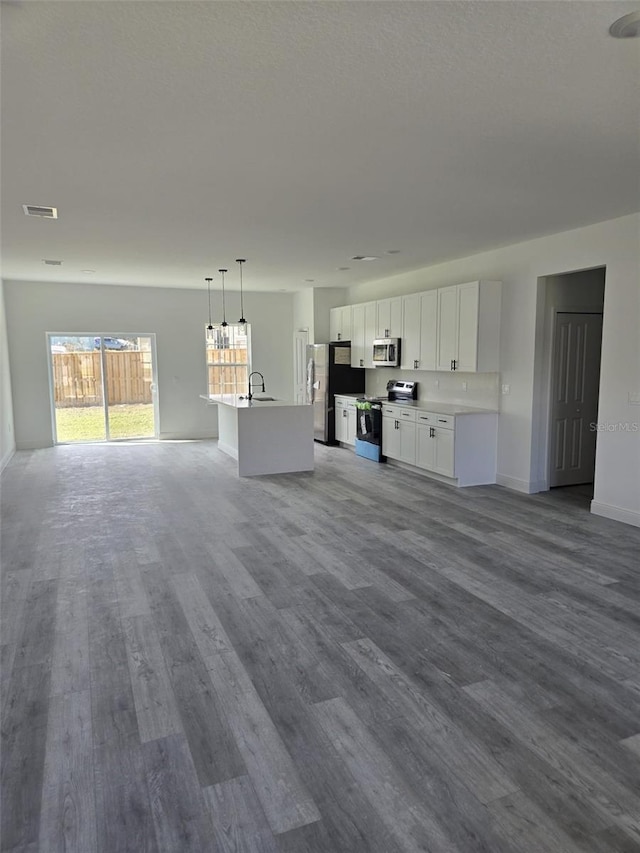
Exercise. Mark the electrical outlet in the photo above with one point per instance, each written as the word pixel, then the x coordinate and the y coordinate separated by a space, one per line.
pixel 634 398
pixel 436 384
pixel 464 386
pixel 506 389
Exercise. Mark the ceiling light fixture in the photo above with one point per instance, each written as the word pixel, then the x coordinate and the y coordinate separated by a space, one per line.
pixel 241 261
pixel 364 258
pixel 210 326
pixel 627 27
pixel 224 311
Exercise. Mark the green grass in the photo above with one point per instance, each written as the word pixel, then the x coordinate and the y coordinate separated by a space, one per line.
pixel 86 423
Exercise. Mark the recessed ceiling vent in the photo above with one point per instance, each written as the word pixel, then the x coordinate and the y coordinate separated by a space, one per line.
pixel 50 263
pixel 37 210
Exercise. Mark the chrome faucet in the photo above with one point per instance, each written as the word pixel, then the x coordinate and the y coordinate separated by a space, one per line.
pixel 255 373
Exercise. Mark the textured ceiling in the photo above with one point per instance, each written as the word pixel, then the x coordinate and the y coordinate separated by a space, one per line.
pixel 175 137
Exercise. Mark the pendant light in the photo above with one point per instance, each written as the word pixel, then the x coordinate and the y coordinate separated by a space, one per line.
pixel 210 326
pixel 224 313
pixel 241 320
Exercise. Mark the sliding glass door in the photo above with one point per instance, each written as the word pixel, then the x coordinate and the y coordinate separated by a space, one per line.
pixel 103 387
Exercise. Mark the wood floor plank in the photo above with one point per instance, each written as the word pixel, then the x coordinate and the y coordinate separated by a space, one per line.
pixel 177 804
pixel 284 798
pixel 155 703
pixel 123 808
pixel 399 808
pixel 68 815
pixel 239 824
pixel 24 734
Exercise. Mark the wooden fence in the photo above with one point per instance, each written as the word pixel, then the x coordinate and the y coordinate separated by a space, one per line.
pixel 77 378
pixel 227 370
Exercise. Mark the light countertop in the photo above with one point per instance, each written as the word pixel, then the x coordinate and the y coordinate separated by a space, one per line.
pixel 239 401
pixel 430 406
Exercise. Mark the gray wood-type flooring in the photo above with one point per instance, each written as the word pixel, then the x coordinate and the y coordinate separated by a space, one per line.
pixel 358 660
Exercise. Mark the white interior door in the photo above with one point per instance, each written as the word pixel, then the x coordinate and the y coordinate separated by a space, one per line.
pixel 300 341
pixel 574 411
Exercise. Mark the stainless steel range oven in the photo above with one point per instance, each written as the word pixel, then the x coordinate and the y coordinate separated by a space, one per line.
pixel 369 417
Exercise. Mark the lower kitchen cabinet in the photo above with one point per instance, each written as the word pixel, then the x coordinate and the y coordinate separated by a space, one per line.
pixel 462 448
pixel 399 434
pixel 435 450
pixel 345 414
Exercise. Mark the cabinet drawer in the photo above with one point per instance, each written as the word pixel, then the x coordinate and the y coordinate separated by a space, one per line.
pixel 408 415
pixel 391 411
pixel 434 419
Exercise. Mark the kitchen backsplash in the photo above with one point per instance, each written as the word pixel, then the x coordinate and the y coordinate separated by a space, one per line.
pixel 482 389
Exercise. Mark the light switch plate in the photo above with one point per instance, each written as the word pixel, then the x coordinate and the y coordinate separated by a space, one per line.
pixel 506 389
pixel 634 398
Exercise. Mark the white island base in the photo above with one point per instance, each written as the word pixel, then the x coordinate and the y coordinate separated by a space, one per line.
pixel 265 436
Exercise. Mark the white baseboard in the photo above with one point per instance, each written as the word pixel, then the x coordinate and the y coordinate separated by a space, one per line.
pixel 516 484
pixel 7 458
pixel 617 513
pixel 33 445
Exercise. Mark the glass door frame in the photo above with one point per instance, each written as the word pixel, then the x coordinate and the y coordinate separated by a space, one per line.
pixel 103 379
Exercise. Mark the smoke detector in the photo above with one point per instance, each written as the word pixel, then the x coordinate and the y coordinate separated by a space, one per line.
pixel 39 210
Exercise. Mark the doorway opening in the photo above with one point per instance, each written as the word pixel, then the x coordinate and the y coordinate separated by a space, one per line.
pixel 573 313
pixel 103 387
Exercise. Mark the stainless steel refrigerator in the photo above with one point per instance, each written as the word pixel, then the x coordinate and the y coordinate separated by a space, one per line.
pixel 329 372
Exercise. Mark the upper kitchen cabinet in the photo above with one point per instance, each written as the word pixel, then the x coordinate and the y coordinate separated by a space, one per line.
pixel 340 323
pixel 363 332
pixel 468 319
pixel 419 331
pixel 389 317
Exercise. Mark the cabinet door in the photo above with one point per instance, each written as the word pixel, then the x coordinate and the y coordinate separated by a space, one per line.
pixel 389 317
pixel 351 424
pixel 444 461
pixel 410 345
pixel 345 323
pixel 369 332
pixel 425 448
pixel 428 330
pixel 407 442
pixel 468 317
pixel 358 336
pixel 341 421
pixel 447 327
pixel 391 438
pixel 335 324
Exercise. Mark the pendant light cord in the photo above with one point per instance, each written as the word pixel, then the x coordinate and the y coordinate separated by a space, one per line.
pixel 241 261
pixel 209 280
pixel 224 312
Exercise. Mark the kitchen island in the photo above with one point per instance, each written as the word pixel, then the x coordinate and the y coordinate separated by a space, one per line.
pixel 265 436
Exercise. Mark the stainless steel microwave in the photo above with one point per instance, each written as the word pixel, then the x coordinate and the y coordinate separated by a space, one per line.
pixel 386 352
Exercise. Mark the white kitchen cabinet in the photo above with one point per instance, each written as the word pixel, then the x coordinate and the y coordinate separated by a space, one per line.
pixel 345 415
pixel 468 327
pixel 459 444
pixel 435 445
pixel 419 331
pixel 399 434
pixel 340 323
pixel 389 317
pixel 363 334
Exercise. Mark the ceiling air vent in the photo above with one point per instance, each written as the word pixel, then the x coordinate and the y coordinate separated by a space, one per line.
pixel 37 210
pixel 364 258
pixel 51 263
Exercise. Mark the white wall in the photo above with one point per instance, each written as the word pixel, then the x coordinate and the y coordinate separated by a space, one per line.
pixel 7 439
pixel 177 317
pixel 614 244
